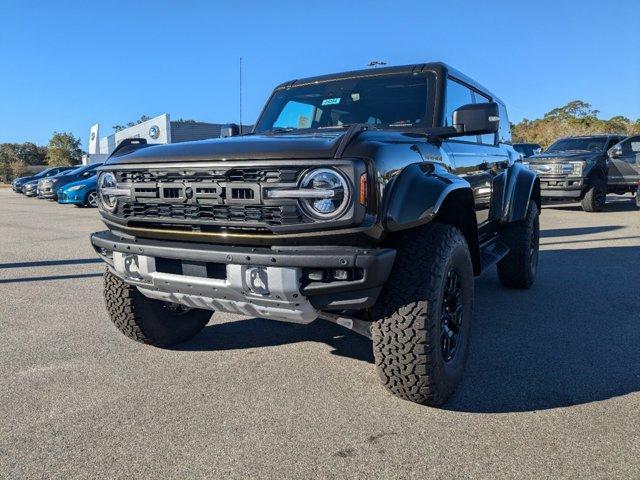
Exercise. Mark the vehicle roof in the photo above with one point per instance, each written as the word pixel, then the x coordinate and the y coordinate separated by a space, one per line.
pixel 438 67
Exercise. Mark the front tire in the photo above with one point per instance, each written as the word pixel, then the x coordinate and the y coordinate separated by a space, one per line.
pixel 519 267
pixel 638 198
pixel 424 313
pixel 595 198
pixel 150 321
pixel 91 200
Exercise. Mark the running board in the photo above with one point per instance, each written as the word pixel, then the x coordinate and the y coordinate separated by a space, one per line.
pixel 492 252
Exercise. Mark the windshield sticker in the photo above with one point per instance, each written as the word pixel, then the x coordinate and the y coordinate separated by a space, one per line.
pixel 635 146
pixel 355 97
pixel 330 101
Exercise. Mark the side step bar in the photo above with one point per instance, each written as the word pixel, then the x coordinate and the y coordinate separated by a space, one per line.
pixel 491 252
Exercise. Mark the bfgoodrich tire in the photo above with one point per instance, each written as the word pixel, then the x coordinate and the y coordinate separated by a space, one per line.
pixel 423 316
pixel 147 320
pixel 596 197
pixel 519 267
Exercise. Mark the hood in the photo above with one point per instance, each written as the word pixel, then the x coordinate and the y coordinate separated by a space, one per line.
pixel 254 147
pixel 567 156
pixel 87 183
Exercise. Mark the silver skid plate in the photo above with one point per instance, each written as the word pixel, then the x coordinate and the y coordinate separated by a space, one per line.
pixel 268 292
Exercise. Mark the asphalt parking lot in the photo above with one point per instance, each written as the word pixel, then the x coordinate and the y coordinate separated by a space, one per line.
pixel 552 387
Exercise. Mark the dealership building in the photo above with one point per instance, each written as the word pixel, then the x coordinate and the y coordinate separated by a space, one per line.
pixel 159 129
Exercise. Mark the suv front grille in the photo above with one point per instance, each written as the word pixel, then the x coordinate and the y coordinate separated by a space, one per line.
pixel 214 196
pixel 227 214
pixel 261 175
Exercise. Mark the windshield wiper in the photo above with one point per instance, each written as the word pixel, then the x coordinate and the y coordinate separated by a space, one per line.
pixel 278 130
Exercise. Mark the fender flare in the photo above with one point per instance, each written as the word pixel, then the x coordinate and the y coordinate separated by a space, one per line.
pixel 404 209
pixel 521 186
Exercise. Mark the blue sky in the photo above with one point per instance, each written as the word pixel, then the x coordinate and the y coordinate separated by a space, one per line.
pixel 67 65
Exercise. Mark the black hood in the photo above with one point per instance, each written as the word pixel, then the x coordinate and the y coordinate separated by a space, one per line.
pixel 564 156
pixel 254 147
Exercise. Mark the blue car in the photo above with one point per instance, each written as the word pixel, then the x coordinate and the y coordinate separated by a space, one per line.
pixel 81 193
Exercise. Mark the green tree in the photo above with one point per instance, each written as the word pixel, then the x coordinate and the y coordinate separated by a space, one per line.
pixel 63 150
pixel 8 154
pixel 31 153
pixel 18 168
pixel 575 118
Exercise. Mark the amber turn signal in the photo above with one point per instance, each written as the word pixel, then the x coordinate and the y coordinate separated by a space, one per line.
pixel 362 191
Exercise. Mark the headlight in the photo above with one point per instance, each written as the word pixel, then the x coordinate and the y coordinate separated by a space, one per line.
pixel 108 191
pixel 331 193
pixel 75 188
pixel 577 168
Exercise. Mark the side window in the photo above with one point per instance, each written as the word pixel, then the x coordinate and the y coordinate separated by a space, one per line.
pixel 631 147
pixel 504 130
pixel 457 96
pixel 612 142
pixel 489 138
pixel 296 115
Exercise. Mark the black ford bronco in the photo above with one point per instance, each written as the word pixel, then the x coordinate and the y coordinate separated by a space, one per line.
pixel 576 169
pixel 370 199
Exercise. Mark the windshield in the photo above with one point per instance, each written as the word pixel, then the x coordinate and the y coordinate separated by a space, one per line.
pixel 591 144
pixel 398 100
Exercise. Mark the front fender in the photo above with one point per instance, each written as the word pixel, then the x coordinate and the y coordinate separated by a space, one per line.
pixel 417 194
pixel 521 186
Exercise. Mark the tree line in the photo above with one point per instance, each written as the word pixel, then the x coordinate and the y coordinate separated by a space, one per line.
pixel 574 118
pixel 63 149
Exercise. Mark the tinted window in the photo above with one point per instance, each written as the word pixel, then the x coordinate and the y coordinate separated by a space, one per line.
pixel 525 149
pixel 457 96
pixel 489 138
pixel 631 146
pixel 398 100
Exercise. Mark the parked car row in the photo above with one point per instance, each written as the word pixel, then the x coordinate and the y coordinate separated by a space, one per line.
pixel 74 185
pixel 586 168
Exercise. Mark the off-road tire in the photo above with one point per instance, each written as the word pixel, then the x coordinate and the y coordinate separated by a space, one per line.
pixel 407 342
pixel 519 267
pixel 147 320
pixel 596 197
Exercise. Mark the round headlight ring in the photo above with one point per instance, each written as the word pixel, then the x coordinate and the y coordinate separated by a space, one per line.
pixel 107 202
pixel 325 179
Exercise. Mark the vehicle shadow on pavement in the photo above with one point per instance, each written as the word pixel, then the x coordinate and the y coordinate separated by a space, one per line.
pixel 259 332
pixel 620 204
pixel 572 339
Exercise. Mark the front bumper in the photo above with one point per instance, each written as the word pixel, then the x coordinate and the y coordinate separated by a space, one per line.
pixel 561 186
pixel 31 192
pixel 271 282
pixel 75 197
pixel 47 192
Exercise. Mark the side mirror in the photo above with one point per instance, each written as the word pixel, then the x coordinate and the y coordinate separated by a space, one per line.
pixel 615 152
pixel 476 119
pixel 537 151
pixel 229 130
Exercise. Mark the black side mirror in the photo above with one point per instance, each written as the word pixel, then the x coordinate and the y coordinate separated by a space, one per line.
pixel 615 152
pixel 476 119
pixel 229 130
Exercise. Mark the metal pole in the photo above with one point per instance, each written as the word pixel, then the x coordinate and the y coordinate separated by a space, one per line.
pixel 240 95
